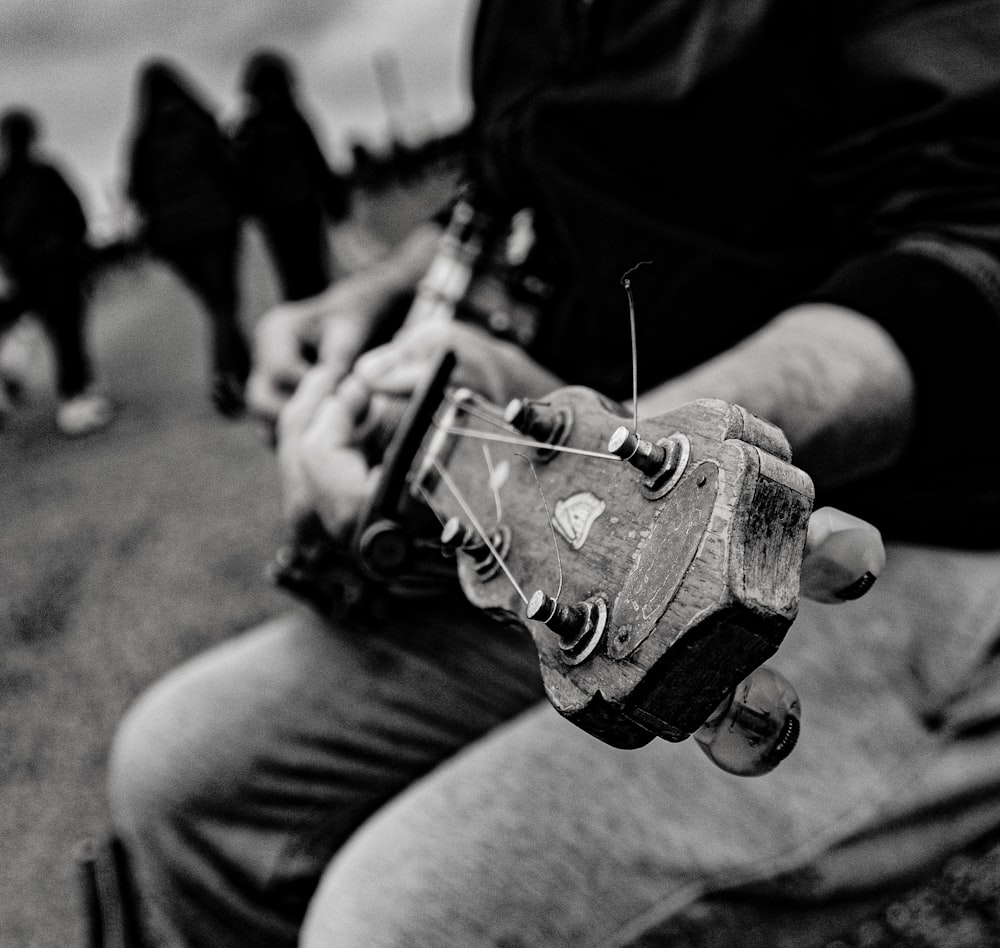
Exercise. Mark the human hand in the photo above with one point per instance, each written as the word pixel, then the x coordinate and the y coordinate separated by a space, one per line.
pixel 496 369
pixel 333 327
pixel 844 556
pixel 758 727
pixel 323 472
pixel 291 337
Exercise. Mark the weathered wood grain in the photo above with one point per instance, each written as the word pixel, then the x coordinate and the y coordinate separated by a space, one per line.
pixel 700 584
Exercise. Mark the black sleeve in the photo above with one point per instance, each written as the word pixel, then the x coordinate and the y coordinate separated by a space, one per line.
pixel 916 168
pixel 945 488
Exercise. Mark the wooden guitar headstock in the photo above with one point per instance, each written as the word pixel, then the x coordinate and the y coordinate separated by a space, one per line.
pixel 654 577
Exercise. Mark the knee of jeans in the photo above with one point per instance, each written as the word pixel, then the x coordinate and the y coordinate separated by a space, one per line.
pixel 370 895
pixel 149 786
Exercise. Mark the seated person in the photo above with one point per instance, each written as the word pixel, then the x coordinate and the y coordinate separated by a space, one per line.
pixel 814 193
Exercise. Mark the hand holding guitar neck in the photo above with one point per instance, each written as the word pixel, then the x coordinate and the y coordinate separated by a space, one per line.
pixel 655 570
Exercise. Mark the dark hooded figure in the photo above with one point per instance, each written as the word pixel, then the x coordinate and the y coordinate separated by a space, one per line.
pixel 287 184
pixel 44 251
pixel 183 181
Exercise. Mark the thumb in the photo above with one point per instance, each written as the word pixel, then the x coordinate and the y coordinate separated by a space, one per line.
pixel 844 556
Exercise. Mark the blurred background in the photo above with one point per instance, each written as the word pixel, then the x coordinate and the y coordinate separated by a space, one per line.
pixel 124 552
pixel 371 71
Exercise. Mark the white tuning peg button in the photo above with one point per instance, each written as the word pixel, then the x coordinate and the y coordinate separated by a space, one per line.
pixel 844 556
pixel 756 729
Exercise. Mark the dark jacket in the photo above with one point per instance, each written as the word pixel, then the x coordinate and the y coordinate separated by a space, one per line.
pixel 42 223
pixel 762 154
pixel 182 177
pixel 281 165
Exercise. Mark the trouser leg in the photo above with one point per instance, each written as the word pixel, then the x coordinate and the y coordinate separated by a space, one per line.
pixel 541 837
pixel 61 308
pixel 210 269
pixel 236 778
pixel 299 245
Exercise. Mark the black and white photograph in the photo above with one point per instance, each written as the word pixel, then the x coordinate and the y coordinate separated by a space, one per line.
pixel 499 474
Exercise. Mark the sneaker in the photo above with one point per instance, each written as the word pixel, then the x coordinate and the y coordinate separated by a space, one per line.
pixel 83 414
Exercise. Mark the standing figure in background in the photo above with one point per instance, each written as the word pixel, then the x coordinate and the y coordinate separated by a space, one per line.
pixel 43 245
pixel 287 183
pixel 182 181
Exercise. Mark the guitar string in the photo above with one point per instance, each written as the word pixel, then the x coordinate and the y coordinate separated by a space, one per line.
pixel 488 418
pixel 524 443
pixel 493 481
pixel 486 410
pixel 627 283
pixel 548 518
pixel 480 411
pixel 467 510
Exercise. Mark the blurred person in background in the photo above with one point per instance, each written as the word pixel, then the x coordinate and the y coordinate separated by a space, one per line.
pixel 286 183
pixel 44 255
pixel 183 183
pixel 816 186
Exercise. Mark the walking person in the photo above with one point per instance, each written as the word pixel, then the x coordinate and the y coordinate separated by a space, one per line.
pixel 44 252
pixel 287 184
pixel 182 181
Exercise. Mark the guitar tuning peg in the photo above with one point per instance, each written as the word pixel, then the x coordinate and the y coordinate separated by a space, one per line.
pixel 566 621
pixel 756 728
pixel 580 626
pixel 456 536
pixel 384 549
pixel 658 463
pixel 641 454
pixel 537 420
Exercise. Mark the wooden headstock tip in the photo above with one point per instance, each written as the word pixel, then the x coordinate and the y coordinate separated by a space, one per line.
pixel 677 573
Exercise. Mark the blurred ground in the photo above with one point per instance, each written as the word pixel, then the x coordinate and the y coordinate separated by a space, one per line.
pixel 121 554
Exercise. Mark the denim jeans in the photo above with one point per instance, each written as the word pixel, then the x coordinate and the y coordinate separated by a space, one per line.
pixel 404 785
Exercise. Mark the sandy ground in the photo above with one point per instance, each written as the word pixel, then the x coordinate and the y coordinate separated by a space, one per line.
pixel 122 553
pixel 125 552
